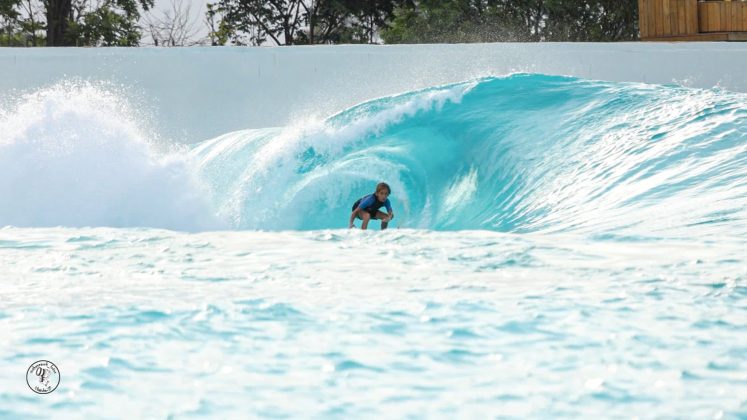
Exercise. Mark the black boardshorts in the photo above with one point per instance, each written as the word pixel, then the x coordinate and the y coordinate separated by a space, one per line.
pixel 372 212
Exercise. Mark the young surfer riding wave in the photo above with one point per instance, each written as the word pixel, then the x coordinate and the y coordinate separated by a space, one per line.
pixel 367 207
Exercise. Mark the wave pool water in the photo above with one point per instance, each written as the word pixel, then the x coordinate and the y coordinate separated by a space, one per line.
pixel 561 248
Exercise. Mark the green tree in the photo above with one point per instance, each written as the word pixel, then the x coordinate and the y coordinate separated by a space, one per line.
pixel 82 23
pixel 254 22
pixel 33 23
pixel 459 21
pixel 21 22
pixel 9 16
pixel 513 20
pixel 218 30
pixel 591 20
pixel 289 22
pixel 110 23
pixel 372 16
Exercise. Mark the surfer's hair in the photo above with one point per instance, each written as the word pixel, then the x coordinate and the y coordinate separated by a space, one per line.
pixel 382 185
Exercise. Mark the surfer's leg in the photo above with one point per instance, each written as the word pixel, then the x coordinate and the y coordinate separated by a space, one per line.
pixel 381 215
pixel 365 216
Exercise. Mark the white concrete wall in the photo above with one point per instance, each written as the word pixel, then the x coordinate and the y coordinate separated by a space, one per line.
pixel 198 93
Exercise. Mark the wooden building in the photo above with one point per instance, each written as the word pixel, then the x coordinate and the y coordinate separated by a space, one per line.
pixel 692 20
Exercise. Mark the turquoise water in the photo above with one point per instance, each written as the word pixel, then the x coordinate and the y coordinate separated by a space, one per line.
pixel 561 248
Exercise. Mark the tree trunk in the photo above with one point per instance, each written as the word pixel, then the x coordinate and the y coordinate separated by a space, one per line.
pixel 287 31
pixel 57 23
pixel 311 25
pixel 33 22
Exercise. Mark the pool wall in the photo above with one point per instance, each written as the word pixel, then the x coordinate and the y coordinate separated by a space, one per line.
pixel 191 94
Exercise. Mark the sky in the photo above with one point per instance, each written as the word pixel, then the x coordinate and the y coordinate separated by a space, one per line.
pixel 196 9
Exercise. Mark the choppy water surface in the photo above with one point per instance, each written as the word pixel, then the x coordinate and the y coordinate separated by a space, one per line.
pixel 561 248
pixel 403 322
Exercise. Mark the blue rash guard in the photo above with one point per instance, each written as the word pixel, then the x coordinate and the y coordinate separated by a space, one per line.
pixel 371 204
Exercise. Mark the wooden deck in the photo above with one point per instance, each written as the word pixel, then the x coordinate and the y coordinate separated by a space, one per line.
pixel 692 20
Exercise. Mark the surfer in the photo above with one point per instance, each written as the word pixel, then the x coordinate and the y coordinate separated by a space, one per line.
pixel 367 207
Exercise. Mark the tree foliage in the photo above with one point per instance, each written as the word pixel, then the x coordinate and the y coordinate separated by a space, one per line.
pixel 513 20
pixel 297 22
pixel 109 23
pixel 293 22
pixel 21 22
pixel 72 22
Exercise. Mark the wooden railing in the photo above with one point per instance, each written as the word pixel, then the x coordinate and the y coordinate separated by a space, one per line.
pixel 693 19
pixel 660 18
pixel 722 16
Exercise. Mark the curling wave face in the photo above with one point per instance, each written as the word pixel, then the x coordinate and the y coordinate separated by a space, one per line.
pixel 522 153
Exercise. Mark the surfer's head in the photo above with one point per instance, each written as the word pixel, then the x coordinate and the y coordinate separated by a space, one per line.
pixel 382 191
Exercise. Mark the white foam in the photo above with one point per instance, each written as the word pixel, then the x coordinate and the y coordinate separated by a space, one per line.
pixel 74 155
